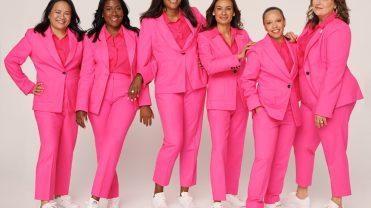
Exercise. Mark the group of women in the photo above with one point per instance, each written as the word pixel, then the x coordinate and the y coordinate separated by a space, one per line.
pixel 104 75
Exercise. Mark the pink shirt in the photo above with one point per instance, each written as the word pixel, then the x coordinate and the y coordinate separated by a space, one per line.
pixel 304 39
pixel 233 47
pixel 117 53
pixel 284 52
pixel 179 28
pixel 62 46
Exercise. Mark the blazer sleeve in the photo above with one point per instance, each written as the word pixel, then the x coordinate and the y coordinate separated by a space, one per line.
pixel 144 97
pixel 147 66
pixel 249 80
pixel 16 57
pixel 211 64
pixel 86 76
pixel 337 53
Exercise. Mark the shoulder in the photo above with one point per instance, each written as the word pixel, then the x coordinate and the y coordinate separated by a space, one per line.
pixel 337 25
pixel 208 34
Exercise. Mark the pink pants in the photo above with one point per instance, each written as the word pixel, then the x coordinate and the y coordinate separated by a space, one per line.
pixel 181 116
pixel 110 127
pixel 334 140
pixel 273 142
pixel 228 129
pixel 58 132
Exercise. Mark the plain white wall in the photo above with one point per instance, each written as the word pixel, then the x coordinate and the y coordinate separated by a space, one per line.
pixel 19 141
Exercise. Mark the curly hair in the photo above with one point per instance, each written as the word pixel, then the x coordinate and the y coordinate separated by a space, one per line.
pixel 211 21
pixel 342 12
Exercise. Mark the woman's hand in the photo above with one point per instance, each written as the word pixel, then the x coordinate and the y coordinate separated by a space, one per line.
pixel 320 121
pixel 81 118
pixel 258 109
pixel 135 87
pixel 38 88
pixel 291 37
pixel 146 115
pixel 247 47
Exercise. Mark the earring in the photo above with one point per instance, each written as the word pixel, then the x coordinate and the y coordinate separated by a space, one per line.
pixel 335 9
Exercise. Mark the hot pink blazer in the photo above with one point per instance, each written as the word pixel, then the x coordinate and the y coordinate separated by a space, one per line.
pixel 95 72
pixel 325 80
pixel 268 83
pixel 219 62
pixel 50 71
pixel 162 59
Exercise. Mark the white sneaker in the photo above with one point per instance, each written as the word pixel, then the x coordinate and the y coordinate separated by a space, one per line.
pixel 275 205
pixel 114 203
pixel 51 204
pixel 186 201
pixel 292 201
pixel 332 204
pixel 159 200
pixel 217 205
pixel 92 203
pixel 235 201
pixel 66 202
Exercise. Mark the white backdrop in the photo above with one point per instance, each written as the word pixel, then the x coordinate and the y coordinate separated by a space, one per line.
pixel 19 141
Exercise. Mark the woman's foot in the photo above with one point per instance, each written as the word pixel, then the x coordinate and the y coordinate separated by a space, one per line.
pixel 93 203
pixel 292 201
pixel 217 205
pixel 186 201
pixel 235 201
pixel 275 205
pixel 159 200
pixel 66 202
pixel 50 204
pixel 332 204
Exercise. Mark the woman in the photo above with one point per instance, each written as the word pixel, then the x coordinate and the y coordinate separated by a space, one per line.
pixel 329 92
pixel 109 63
pixel 271 89
pixel 55 48
pixel 168 53
pixel 222 48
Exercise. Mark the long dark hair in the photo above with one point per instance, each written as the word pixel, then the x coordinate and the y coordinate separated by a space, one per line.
pixel 211 21
pixel 157 7
pixel 342 12
pixel 99 21
pixel 74 24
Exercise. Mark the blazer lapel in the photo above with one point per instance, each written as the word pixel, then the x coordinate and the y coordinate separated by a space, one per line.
pixel 166 33
pixel 191 37
pixel 312 41
pixel 50 46
pixel 130 44
pixel 102 48
pixel 275 56
pixel 294 69
pixel 73 45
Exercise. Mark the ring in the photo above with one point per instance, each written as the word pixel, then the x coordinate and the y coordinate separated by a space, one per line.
pixel 321 121
pixel 132 91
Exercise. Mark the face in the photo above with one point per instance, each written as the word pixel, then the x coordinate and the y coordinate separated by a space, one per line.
pixel 274 24
pixel 323 8
pixel 223 12
pixel 172 4
pixel 113 14
pixel 60 16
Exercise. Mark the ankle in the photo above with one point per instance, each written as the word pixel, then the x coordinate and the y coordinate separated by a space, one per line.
pixel 338 201
pixel 302 192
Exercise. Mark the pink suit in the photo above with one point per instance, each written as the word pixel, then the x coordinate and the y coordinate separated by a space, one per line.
pixel 104 96
pixel 327 89
pixel 54 107
pixel 227 111
pixel 267 82
pixel 180 94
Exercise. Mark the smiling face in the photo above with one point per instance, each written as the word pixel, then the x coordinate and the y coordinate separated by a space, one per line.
pixel 60 16
pixel 223 12
pixel 113 14
pixel 274 24
pixel 323 8
pixel 172 4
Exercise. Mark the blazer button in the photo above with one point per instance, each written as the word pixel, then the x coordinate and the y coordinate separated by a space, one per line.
pixel 234 71
pixel 307 73
pixel 64 73
pixel 183 53
pixel 289 86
